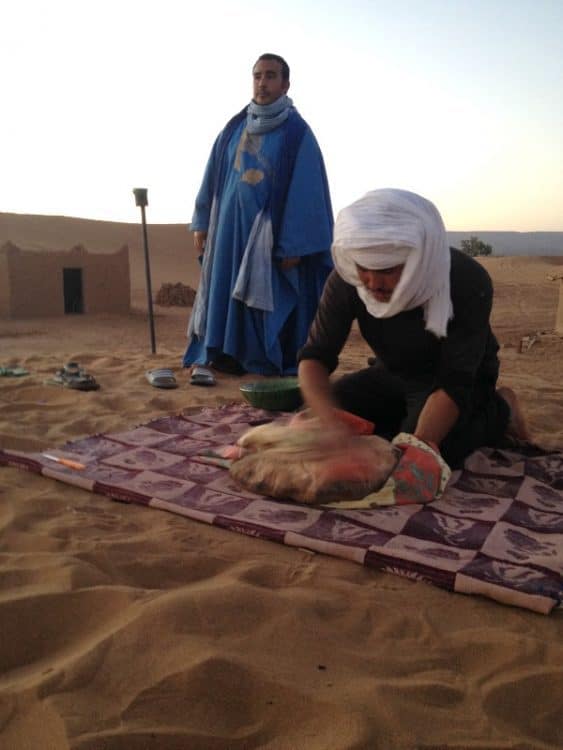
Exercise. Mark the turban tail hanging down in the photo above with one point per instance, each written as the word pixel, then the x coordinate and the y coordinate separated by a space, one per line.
pixel 390 227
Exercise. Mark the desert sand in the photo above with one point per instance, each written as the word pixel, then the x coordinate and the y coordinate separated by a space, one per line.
pixel 128 628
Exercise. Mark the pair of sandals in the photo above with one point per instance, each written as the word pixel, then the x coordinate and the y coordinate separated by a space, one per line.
pixel 165 378
pixel 73 376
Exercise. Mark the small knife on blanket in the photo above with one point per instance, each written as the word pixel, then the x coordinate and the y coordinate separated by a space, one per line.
pixel 65 461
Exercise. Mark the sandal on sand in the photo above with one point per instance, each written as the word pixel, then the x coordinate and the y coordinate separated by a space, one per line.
pixel 13 371
pixel 202 376
pixel 162 378
pixel 72 376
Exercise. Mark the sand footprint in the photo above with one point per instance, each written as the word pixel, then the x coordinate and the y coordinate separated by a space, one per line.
pixel 540 693
pixel 222 704
pixel 91 617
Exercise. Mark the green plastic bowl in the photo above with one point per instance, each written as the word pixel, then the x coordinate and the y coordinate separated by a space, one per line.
pixel 279 394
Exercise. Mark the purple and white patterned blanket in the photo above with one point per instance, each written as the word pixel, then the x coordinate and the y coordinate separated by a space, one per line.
pixel 496 531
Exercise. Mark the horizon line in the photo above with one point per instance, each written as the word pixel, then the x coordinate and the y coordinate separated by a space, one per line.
pixel 187 224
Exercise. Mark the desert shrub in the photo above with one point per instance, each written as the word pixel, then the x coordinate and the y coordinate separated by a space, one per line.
pixel 474 246
pixel 178 294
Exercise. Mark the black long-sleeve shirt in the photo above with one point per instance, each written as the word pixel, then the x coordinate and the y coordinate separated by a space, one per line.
pixel 465 359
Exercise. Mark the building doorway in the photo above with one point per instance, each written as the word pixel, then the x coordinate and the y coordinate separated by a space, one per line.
pixel 72 290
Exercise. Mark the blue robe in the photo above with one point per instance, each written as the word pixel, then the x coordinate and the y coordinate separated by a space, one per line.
pixel 263 198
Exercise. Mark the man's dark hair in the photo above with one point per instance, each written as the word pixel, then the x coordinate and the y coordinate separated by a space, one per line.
pixel 277 58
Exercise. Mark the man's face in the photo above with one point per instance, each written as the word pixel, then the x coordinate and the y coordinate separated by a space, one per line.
pixel 382 283
pixel 268 84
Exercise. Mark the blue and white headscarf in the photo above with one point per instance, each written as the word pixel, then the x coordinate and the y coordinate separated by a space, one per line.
pixel 261 118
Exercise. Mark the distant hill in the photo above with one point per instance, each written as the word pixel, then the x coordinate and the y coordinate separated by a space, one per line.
pixel 515 243
pixel 172 255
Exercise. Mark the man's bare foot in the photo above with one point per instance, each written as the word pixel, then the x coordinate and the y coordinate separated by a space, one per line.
pixel 517 427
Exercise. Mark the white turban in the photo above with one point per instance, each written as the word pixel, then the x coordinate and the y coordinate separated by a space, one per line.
pixel 388 228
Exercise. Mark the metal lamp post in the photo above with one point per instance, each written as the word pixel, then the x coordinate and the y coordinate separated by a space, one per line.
pixel 141 199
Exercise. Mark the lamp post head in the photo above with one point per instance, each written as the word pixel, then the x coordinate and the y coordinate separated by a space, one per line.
pixel 141 196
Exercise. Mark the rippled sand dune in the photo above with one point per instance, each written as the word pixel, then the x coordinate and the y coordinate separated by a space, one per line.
pixel 126 628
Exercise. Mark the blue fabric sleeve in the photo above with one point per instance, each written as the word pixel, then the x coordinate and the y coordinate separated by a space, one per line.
pixel 306 226
pixel 202 210
pixel 213 177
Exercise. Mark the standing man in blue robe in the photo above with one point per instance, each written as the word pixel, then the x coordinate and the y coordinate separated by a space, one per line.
pixel 263 229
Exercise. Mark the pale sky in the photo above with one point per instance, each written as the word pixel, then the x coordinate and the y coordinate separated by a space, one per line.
pixel 458 100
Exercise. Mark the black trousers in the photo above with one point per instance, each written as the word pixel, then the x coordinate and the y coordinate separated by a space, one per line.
pixel 394 404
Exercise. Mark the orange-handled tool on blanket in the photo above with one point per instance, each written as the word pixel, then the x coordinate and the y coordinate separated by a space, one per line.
pixel 65 461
